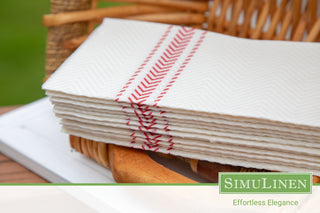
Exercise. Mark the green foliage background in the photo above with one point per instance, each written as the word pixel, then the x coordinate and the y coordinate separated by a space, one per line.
pixel 22 50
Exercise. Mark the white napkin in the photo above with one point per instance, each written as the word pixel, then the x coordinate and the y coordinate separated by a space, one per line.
pixel 233 76
pixel 194 93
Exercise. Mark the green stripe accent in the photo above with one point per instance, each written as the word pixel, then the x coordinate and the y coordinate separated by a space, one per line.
pixel 117 184
pixel 108 184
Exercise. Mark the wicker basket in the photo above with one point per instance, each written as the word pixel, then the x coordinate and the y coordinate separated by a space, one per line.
pixel 71 21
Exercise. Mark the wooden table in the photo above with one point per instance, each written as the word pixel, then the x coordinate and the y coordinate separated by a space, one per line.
pixel 13 172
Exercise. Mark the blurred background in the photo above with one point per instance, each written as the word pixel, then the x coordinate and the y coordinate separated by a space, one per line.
pixel 22 51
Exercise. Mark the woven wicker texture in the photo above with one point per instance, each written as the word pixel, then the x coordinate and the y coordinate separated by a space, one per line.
pixel 72 20
pixel 56 53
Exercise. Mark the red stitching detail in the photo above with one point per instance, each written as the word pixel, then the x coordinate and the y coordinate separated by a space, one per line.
pixel 135 74
pixel 178 72
pixel 171 82
pixel 163 65
pixel 154 50
pixel 151 81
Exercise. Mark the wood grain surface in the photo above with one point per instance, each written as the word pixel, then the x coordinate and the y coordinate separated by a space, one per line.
pixel 11 171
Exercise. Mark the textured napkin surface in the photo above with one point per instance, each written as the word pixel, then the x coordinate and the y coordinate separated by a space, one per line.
pixel 195 94
pixel 226 75
pixel 112 109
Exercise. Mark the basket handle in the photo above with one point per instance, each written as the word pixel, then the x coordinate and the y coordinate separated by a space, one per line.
pixel 135 166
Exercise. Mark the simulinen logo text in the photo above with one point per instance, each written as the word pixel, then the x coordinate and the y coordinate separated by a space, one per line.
pixel 265 183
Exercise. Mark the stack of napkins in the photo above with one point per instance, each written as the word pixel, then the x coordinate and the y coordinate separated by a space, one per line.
pixel 195 94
